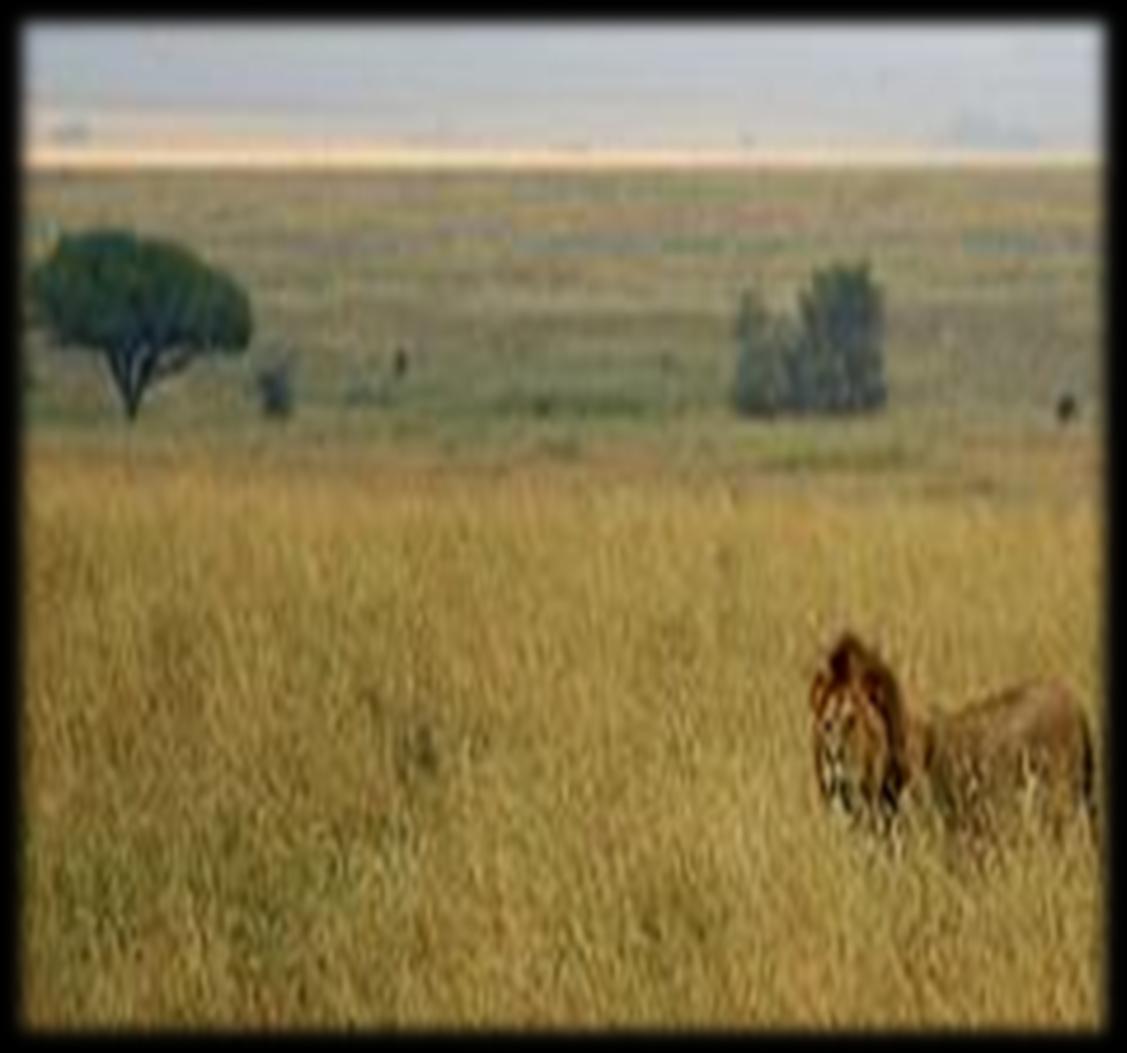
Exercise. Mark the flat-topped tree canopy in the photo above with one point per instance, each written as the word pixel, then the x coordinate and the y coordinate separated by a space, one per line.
pixel 150 305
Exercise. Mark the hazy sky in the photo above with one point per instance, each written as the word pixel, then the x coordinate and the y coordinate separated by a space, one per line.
pixel 1017 85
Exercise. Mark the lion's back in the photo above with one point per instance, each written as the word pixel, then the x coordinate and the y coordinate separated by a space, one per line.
pixel 993 745
pixel 1041 714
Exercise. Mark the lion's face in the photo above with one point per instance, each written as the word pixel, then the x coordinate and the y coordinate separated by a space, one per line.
pixel 851 751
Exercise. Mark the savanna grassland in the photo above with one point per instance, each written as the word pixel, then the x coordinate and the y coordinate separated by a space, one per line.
pixel 478 697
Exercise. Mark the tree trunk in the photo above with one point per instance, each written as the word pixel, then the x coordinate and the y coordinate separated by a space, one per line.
pixel 135 369
pixel 117 360
pixel 131 369
pixel 132 404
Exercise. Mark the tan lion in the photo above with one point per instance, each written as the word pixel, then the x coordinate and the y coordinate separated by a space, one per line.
pixel 1028 745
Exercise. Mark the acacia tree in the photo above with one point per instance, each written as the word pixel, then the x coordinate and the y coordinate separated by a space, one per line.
pixel 150 306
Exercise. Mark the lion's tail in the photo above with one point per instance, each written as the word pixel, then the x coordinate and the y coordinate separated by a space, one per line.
pixel 1088 784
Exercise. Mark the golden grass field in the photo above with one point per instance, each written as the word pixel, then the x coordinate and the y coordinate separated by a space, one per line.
pixel 375 749
pixel 369 725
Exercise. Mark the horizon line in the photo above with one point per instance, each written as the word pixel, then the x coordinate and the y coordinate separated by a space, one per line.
pixel 46 157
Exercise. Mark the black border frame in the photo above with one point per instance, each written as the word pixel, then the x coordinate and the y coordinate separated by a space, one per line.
pixel 701 13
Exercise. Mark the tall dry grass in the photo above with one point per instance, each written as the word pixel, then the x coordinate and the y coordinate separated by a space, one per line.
pixel 376 748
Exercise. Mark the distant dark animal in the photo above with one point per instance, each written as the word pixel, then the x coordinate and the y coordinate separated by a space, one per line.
pixel 400 363
pixel 1067 407
pixel 872 755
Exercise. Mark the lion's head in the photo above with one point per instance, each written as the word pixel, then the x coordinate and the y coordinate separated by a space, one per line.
pixel 858 735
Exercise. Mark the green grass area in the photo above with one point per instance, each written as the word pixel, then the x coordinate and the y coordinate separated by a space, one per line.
pixel 600 297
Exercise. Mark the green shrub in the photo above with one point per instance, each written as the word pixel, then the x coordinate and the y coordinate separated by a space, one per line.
pixel 830 361
pixel 761 384
pixel 840 347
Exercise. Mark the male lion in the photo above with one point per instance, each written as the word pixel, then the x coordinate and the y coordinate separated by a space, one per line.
pixel 1028 744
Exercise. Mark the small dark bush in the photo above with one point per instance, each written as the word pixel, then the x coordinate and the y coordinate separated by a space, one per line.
pixel 1067 407
pixel 276 390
